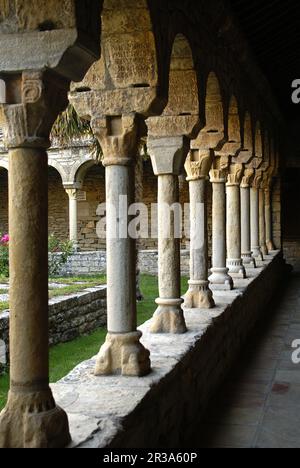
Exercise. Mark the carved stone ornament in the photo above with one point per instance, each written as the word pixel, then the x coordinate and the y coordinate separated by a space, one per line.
pixel 29 122
pixel 247 178
pixel 198 164
pixel 118 137
pixel 235 175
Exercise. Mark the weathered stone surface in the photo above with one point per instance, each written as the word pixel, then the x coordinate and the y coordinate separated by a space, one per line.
pixel 186 371
pixel 20 15
pixel 69 317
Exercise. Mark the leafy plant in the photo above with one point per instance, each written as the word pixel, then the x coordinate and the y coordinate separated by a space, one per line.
pixel 59 252
pixel 4 255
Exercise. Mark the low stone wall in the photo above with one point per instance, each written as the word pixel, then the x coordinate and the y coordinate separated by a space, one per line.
pixel 69 317
pixel 88 263
pixel 164 408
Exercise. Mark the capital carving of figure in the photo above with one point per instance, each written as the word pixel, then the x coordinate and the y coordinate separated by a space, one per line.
pixel 118 137
pixel 198 164
pixel 235 174
pixel 28 123
pixel 247 178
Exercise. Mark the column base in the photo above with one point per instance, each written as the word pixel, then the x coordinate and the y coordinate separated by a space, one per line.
pixel 123 354
pixel 264 250
pixel 220 280
pixel 236 268
pixel 168 317
pixel 270 246
pixel 32 420
pixel 257 254
pixel 248 260
pixel 199 296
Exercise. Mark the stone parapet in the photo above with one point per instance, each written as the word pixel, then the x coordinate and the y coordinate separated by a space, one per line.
pixel 160 410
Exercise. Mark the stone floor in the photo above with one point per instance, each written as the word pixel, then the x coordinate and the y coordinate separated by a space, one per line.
pixel 259 406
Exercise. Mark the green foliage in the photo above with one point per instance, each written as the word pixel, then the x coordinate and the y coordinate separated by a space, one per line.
pixel 4 255
pixel 59 252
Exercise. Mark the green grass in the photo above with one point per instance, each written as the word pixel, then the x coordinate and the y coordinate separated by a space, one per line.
pixel 4 306
pixel 64 357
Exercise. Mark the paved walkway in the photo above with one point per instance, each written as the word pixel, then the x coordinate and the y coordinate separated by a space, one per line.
pixel 260 404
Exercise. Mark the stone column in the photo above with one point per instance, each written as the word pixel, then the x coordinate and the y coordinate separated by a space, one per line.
pixel 197 166
pixel 31 418
pixel 245 219
pixel 167 156
pixel 262 225
pixel 122 352
pixel 220 279
pixel 233 231
pixel 73 217
pixel 254 211
pixel 268 219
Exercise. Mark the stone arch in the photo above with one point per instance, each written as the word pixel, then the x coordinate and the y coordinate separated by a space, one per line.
pixel 247 152
pixel 234 124
pixel 212 136
pixel 258 141
pixel 129 62
pixel 183 87
pixel 59 168
pixel 79 171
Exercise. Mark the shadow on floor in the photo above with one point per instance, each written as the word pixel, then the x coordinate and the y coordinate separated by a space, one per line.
pixel 259 404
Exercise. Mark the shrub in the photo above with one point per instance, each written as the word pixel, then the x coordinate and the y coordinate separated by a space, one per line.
pixel 4 255
pixel 59 252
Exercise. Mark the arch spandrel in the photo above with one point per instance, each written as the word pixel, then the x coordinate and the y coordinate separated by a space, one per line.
pixel 181 115
pixel 234 143
pixel 258 155
pixel 126 79
pixel 247 152
pixel 212 136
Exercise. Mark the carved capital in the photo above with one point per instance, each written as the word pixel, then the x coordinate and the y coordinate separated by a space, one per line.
pixel 217 176
pixel 118 137
pixel 256 183
pixel 198 164
pixel 247 179
pixel 266 181
pixel 72 193
pixel 235 174
pixel 168 154
pixel 39 97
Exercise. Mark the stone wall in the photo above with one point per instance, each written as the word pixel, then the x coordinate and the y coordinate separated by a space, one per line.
pixel 70 317
pixel 94 190
pixel 58 205
pixel 291 249
pixel 164 409
pixel 89 263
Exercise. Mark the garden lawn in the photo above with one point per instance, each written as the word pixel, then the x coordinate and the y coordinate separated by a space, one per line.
pixel 64 357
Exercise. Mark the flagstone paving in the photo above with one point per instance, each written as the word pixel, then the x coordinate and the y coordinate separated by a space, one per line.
pixel 259 406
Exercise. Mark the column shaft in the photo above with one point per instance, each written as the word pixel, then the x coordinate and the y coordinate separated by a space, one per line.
pixel 122 351
pixel 268 220
pixel 220 280
pixel 254 210
pixel 30 395
pixel 168 318
pixel 245 227
pixel 234 260
pixel 199 295
pixel 262 226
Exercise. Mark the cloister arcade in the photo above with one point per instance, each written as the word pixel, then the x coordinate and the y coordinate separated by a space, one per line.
pixel 179 75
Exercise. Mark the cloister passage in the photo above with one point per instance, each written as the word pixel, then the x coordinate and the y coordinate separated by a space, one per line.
pixel 258 405
pixel 187 88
